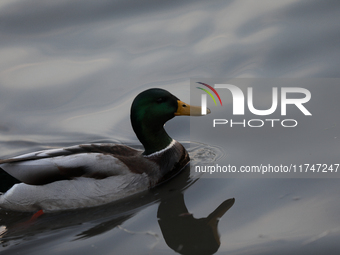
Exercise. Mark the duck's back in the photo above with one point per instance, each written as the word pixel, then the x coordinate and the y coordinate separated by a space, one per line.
pixel 88 160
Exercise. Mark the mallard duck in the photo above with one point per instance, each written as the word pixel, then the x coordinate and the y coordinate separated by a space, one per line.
pixel 92 174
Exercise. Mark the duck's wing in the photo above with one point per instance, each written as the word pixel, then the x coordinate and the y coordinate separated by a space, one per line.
pixel 88 160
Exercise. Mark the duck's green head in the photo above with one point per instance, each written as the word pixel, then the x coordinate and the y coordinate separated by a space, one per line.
pixel 149 112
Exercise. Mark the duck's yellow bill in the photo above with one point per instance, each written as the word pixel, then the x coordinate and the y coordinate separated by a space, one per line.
pixel 185 109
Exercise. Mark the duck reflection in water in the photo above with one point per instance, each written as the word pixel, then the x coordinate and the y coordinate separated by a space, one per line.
pixel 185 234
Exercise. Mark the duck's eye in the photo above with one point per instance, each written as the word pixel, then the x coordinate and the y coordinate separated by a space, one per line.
pixel 160 100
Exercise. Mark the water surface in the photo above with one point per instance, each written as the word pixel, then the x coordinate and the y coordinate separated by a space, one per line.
pixel 69 71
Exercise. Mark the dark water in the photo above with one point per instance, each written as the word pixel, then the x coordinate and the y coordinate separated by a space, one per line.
pixel 69 71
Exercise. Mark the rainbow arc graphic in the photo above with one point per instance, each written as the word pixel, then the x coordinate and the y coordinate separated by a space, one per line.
pixel 204 97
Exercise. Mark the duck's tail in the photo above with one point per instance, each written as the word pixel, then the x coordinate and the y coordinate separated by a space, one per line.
pixel 6 181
